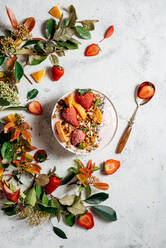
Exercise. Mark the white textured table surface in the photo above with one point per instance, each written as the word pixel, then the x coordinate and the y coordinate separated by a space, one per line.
pixel 135 53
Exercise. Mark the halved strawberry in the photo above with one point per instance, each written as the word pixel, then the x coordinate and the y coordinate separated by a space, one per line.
pixel 86 221
pixel 110 166
pixel 84 98
pixel 70 116
pixel 77 137
pixel 35 108
pixel 146 90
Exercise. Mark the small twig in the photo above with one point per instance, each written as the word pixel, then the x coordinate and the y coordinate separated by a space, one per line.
pixel 27 79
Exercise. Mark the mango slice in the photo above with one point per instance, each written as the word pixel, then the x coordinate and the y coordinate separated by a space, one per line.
pixel 80 110
pixel 69 100
pixel 38 76
pixel 98 116
pixel 55 12
pixel 61 134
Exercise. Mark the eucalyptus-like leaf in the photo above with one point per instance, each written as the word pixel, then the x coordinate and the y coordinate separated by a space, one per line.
pixel 45 200
pixel 59 232
pixel 97 198
pixel 83 32
pixel 18 71
pixel 54 59
pixel 68 44
pixel 49 210
pixel 30 42
pixel 77 208
pixel 67 200
pixel 16 108
pixel 72 15
pixel 2 60
pixel 31 197
pixel 39 190
pixel 36 59
pixel 6 150
pixel 63 33
pixel 32 94
pixel 50 28
pixel 106 212
pixel 89 24
pixel 10 211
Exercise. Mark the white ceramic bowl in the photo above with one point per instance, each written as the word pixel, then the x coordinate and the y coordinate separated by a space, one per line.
pixel 107 129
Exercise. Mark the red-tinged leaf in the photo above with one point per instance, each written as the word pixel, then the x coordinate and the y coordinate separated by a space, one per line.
pixel 92 50
pixel 12 18
pixel 29 24
pixel 23 157
pixel 11 61
pixel 15 135
pixel 8 127
pixel 27 135
pixel 109 32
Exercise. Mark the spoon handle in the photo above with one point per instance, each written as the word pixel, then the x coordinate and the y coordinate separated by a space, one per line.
pixel 126 133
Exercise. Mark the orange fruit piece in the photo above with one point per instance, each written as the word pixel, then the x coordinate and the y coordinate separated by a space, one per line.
pixel 69 100
pixel 60 131
pixel 80 110
pixel 55 12
pixel 98 116
pixel 38 75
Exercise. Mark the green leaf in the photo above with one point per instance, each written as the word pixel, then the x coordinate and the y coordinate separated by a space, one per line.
pixel 66 22
pixel 89 24
pixel 83 32
pixel 9 203
pixel 54 203
pixel 97 198
pixel 81 188
pixel 68 44
pixel 67 200
pixel 2 60
pixel 59 232
pixel 18 71
pixel 81 146
pixel 30 42
pixel 96 168
pixel 50 28
pixel 6 150
pixel 78 162
pixel 45 200
pixel 39 190
pixel 68 178
pixel 32 94
pixel 36 59
pixel 72 15
pixel 88 190
pixel 16 108
pixel 31 197
pixel 106 212
pixel 4 102
pixel 97 102
pixel 49 210
pixel 83 91
pixel 10 211
pixel 74 170
pixel 70 219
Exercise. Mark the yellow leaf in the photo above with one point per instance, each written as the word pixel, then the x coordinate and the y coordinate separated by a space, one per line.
pixel 38 76
pixel 55 12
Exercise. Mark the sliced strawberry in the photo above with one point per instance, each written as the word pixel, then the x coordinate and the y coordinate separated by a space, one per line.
pixel 70 116
pixel 86 221
pixel 77 137
pixel 110 166
pixel 146 91
pixel 85 100
pixel 52 185
pixel 35 108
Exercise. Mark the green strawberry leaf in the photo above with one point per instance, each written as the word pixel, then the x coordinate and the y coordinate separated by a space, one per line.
pixel 31 197
pixel 97 198
pixel 6 150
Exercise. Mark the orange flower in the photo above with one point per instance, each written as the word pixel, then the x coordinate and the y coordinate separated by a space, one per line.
pixel 86 178
pixel 14 121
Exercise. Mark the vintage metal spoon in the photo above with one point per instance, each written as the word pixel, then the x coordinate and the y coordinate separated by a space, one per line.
pixel 143 94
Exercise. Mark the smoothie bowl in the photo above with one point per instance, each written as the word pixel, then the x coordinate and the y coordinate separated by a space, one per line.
pixel 84 121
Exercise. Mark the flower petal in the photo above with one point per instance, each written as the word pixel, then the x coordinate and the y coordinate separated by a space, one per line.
pixel 15 135
pixel 27 135
pixel 102 186
pixel 12 18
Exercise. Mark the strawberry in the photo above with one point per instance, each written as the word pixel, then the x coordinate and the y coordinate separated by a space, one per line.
pixel 146 91
pixel 35 108
pixel 77 137
pixel 57 72
pixel 86 220
pixel 84 98
pixel 10 195
pixel 110 166
pixel 69 114
pixel 52 185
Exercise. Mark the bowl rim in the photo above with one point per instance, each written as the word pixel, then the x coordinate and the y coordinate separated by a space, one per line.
pixel 79 152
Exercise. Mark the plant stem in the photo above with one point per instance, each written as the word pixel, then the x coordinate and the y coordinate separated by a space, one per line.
pixel 27 79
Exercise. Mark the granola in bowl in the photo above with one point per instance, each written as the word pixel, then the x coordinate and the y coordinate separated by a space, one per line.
pixel 84 120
